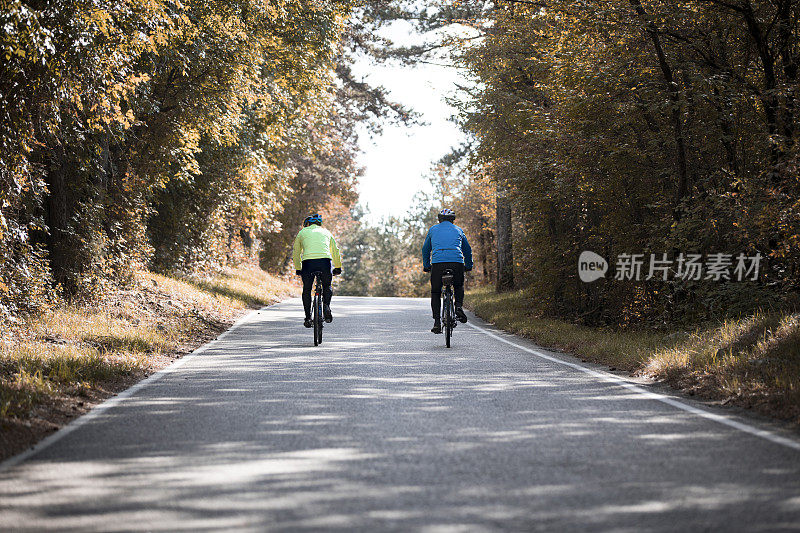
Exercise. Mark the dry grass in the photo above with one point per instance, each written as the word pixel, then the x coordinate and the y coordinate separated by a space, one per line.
pixel 233 288
pixel 515 312
pixel 72 356
pixel 753 362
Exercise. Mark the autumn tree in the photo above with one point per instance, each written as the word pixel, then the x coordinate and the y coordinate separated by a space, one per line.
pixel 660 125
pixel 161 134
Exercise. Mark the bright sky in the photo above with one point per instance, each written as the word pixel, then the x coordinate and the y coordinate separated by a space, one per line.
pixel 397 163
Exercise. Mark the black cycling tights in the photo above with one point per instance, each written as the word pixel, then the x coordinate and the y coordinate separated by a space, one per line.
pixel 436 285
pixel 309 267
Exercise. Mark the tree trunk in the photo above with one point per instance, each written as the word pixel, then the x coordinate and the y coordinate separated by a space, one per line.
pixel 482 255
pixel 790 68
pixel 768 98
pixel 247 237
pixel 57 218
pixel 674 96
pixel 505 248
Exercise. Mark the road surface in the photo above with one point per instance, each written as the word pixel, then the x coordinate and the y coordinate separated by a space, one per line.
pixel 384 429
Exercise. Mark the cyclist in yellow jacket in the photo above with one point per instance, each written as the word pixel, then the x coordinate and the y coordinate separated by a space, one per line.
pixel 317 249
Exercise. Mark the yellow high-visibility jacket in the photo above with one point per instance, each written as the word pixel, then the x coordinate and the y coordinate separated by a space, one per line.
pixel 315 242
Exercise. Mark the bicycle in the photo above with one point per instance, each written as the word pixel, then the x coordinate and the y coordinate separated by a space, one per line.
pixel 316 309
pixel 448 306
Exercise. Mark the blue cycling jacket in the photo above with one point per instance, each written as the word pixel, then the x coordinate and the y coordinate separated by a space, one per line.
pixel 446 243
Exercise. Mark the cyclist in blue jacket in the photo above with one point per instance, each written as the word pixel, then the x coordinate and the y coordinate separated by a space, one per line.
pixel 446 247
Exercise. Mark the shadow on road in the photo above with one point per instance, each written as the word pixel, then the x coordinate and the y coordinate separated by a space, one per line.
pixel 383 428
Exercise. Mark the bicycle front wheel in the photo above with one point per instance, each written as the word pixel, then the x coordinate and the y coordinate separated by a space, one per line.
pixel 319 319
pixel 316 320
pixel 448 319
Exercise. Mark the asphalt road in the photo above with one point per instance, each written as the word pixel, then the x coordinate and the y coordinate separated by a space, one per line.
pixel 382 428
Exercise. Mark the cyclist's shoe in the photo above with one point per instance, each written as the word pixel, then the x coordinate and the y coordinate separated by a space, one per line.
pixel 437 326
pixel 460 315
pixel 307 323
pixel 326 312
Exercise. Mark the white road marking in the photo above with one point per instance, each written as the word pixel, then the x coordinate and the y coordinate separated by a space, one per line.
pixel 720 419
pixel 111 402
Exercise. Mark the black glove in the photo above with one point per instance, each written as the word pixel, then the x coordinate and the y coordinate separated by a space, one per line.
pixel 426 269
pixel 298 272
pixel 337 271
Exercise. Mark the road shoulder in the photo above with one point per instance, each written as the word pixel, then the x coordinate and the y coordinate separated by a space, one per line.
pixel 62 365
pixel 785 433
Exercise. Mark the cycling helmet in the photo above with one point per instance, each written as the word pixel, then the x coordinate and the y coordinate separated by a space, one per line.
pixel 447 214
pixel 313 219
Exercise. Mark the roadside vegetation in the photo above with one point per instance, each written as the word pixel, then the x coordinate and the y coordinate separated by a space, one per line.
pixel 750 362
pixel 172 136
pixel 56 365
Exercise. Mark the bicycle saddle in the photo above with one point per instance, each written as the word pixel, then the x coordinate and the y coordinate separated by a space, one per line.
pixel 447 277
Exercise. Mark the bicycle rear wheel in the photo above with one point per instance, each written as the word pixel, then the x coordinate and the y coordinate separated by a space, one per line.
pixel 448 318
pixel 320 325
pixel 316 320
